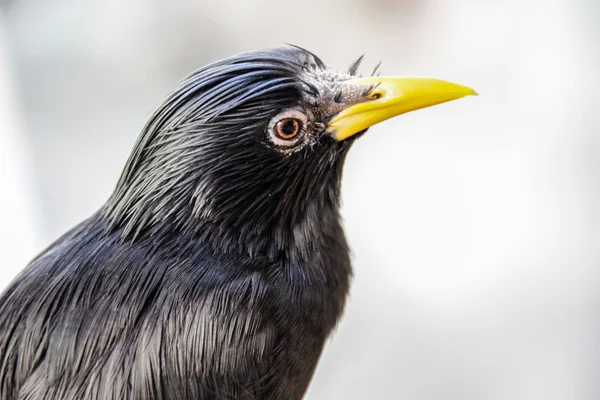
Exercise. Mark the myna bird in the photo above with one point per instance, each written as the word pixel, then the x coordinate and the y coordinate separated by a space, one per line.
pixel 218 267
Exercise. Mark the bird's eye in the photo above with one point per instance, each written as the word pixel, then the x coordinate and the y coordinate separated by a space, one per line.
pixel 288 128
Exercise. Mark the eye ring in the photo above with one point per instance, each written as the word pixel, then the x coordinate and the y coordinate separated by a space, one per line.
pixel 287 128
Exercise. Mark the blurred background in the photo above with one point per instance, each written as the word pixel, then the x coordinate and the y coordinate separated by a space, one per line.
pixel 474 225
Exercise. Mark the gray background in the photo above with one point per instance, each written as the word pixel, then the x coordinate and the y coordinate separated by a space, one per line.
pixel 474 225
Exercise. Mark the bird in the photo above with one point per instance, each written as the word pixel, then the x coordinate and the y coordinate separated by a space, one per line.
pixel 218 267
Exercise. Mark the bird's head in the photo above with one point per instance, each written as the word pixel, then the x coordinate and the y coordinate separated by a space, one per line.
pixel 253 147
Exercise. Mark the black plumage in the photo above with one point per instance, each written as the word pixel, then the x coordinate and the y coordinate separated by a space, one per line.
pixel 217 268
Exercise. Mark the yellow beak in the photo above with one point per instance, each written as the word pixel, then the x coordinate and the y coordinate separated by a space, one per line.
pixel 392 96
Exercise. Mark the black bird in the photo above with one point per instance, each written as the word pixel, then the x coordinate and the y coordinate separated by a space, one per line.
pixel 218 267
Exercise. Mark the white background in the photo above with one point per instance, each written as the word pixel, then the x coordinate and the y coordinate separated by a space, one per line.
pixel 474 225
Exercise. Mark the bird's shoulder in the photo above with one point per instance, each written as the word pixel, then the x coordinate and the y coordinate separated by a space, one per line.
pixel 92 308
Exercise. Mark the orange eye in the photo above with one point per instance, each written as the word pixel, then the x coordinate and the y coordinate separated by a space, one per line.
pixel 287 128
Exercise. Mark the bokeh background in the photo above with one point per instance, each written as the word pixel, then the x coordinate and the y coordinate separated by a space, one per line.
pixel 474 225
